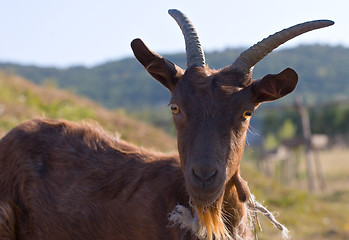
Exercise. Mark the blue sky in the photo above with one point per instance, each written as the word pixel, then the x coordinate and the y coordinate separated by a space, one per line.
pixel 84 32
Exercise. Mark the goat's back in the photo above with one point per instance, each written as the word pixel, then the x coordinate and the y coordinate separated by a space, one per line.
pixel 62 180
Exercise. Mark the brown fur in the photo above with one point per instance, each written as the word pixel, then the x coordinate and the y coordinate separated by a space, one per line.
pixel 7 222
pixel 73 181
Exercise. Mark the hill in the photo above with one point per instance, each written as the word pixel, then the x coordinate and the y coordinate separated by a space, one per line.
pixel 322 70
pixel 20 100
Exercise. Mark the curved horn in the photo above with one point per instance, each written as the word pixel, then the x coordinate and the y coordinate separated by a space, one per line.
pixel 245 62
pixel 195 54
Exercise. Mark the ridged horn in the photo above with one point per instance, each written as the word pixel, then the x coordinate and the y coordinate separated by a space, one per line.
pixel 195 54
pixel 245 62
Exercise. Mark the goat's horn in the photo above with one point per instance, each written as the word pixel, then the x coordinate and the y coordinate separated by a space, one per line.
pixel 245 62
pixel 195 54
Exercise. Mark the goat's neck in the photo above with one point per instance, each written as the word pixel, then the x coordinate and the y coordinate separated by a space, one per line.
pixel 234 210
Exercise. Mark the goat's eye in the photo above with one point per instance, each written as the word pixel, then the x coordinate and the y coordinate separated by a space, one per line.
pixel 174 109
pixel 247 114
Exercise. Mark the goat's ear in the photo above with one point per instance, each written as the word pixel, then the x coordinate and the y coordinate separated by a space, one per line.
pixel 274 86
pixel 159 67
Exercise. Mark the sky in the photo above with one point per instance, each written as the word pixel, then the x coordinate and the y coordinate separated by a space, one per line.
pixel 63 33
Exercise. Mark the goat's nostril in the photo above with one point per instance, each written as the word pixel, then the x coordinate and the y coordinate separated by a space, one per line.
pixel 204 175
pixel 196 174
pixel 212 177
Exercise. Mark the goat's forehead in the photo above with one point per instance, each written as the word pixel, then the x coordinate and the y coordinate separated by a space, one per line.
pixel 207 88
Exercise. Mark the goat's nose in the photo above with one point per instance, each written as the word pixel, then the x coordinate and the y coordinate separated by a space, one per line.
pixel 205 176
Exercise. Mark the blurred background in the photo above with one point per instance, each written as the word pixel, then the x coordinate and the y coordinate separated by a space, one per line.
pixel 72 59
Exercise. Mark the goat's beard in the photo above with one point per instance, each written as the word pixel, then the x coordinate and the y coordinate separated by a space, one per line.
pixel 211 221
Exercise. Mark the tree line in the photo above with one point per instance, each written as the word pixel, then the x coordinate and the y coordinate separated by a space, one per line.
pixel 323 76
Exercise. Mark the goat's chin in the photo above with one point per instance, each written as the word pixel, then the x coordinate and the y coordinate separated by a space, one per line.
pixel 203 201
pixel 210 218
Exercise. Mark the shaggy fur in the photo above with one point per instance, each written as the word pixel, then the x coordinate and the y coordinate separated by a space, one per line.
pixel 64 180
pixel 7 222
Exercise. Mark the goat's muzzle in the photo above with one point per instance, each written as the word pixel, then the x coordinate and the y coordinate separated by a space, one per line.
pixel 205 184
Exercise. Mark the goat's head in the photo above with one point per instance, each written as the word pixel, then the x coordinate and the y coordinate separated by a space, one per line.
pixel 212 109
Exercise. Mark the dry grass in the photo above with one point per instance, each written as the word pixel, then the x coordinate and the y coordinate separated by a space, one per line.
pixel 335 165
pixel 21 100
pixel 320 215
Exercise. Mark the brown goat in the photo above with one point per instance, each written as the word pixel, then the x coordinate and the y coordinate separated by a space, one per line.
pixel 63 180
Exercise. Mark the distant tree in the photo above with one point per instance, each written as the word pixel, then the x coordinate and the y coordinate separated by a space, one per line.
pixel 287 130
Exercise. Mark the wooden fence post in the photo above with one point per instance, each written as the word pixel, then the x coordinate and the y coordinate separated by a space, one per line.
pixel 303 113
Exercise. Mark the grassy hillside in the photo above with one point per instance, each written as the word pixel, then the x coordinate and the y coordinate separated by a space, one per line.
pixel 321 216
pixel 21 100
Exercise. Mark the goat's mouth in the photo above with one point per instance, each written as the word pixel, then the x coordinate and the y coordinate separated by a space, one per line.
pixel 204 200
